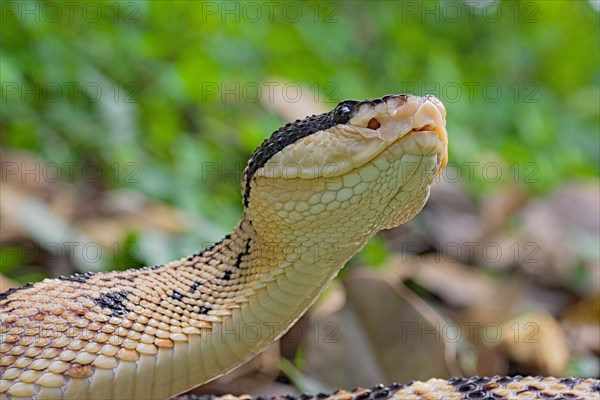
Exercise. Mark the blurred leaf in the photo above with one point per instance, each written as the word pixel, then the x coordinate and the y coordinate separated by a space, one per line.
pixel 379 324
pixel 536 339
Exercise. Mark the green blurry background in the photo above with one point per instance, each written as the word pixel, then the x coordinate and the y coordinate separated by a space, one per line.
pixel 158 95
pixel 165 101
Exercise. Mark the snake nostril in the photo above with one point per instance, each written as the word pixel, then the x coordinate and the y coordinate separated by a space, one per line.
pixel 373 124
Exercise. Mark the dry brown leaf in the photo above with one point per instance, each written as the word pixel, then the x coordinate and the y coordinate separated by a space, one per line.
pixel 582 324
pixel 564 228
pixel 537 340
pixel 450 216
pixel 106 230
pixel 490 360
pixel 498 207
pixel 383 333
pixel 446 278
pixel 73 220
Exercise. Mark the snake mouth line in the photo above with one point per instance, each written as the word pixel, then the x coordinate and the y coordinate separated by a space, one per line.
pixel 439 146
pixel 424 128
pixel 424 141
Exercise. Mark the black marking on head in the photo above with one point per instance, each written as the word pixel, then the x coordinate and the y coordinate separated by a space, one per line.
pixel 80 278
pixel 114 301
pixel 294 131
pixel 194 286
pixel 204 310
pixel 238 261
pixel 283 137
pixel 177 296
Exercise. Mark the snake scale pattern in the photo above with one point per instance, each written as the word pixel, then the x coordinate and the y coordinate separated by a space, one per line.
pixel 314 193
pixel 494 388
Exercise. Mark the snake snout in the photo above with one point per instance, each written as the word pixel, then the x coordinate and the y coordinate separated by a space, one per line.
pixel 431 117
pixel 402 114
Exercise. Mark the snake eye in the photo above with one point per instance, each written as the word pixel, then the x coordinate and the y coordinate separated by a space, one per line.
pixel 342 113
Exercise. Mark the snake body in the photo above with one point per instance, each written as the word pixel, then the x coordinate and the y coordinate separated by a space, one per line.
pixel 476 387
pixel 314 193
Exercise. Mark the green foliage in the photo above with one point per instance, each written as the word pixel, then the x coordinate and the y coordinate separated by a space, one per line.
pixel 374 254
pixel 134 82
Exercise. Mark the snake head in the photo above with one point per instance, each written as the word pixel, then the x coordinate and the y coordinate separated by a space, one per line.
pixel 380 123
pixel 374 157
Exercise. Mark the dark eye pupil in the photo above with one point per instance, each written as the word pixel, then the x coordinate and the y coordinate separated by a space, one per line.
pixel 341 114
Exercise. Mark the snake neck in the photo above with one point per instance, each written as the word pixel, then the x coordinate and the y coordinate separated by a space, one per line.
pixel 240 266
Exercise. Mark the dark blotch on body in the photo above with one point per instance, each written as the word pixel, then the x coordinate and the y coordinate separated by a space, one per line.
pixel 362 396
pixel 177 296
pixel 194 286
pixel 238 261
pixel 114 301
pixel 381 394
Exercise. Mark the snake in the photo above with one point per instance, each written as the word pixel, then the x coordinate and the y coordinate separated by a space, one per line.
pixel 313 193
